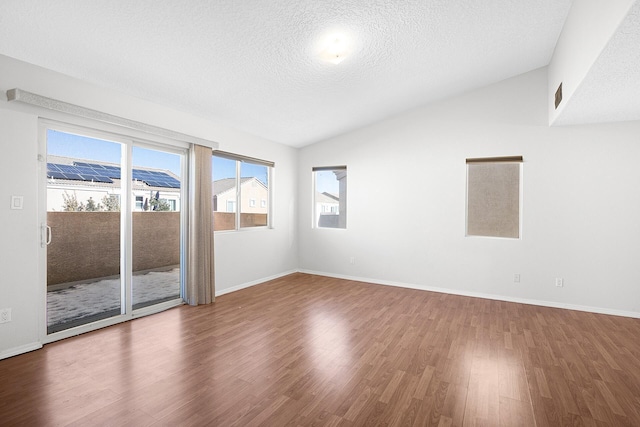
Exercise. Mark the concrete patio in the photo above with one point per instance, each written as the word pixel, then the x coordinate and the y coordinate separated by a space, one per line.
pixel 87 302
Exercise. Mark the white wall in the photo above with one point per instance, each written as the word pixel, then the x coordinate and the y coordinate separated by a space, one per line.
pixel 587 30
pixel 20 236
pixel 269 253
pixel 249 256
pixel 581 213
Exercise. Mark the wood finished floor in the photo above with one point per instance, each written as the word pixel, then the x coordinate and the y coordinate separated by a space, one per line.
pixel 309 350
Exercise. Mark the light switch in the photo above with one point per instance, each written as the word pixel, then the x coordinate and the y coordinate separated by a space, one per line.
pixel 17 202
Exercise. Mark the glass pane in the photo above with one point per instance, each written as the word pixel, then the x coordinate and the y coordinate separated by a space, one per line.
pixel 254 195
pixel 83 213
pixel 156 226
pixel 224 194
pixel 330 198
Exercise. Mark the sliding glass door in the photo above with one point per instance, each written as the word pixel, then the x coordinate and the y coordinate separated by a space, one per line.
pixel 113 229
pixel 156 226
pixel 83 230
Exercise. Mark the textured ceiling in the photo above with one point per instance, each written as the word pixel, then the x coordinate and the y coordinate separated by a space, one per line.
pixel 256 65
pixel 611 90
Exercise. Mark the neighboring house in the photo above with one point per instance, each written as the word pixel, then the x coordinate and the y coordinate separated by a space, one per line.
pixel 327 207
pixel 327 203
pixel 253 193
pixel 85 180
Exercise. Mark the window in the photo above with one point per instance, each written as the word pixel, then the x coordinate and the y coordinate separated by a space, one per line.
pixel 169 203
pixel 493 196
pixel 139 203
pixel 238 182
pixel 330 197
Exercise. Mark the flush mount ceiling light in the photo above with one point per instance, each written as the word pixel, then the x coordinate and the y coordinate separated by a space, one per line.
pixel 335 48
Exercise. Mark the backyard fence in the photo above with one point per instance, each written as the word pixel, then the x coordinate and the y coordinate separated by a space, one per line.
pixel 86 245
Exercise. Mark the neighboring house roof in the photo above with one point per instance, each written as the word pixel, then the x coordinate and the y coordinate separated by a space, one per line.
pixel 226 184
pixel 67 169
pixel 326 197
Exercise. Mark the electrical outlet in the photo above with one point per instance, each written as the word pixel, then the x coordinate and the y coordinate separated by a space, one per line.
pixel 352 260
pixel 5 315
pixel 559 282
pixel 516 278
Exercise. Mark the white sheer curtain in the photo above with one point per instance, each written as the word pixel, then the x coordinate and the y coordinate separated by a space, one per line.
pixel 200 287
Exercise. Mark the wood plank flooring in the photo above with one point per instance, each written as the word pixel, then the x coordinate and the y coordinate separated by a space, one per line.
pixel 309 350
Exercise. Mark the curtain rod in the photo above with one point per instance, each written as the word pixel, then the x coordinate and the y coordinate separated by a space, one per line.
pixel 19 95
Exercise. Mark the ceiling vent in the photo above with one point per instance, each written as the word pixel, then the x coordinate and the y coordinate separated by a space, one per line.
pixel 558 95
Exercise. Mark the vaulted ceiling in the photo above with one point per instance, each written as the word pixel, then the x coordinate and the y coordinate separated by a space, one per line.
pixel 264 67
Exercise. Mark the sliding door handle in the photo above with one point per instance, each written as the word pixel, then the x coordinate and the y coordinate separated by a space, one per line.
pixel 45 238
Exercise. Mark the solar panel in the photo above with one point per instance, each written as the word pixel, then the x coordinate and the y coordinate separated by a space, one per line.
pixel 86 171
pixel 68 169
pixel 96 178
pixel 83 171
pixel 104 179
pixel 57 175
pixel 95 169
pixel 74 176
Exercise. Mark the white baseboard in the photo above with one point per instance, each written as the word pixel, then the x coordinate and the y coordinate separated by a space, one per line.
pixel 37 345
pixel 19 350
pixel 253 283
pixel 541 303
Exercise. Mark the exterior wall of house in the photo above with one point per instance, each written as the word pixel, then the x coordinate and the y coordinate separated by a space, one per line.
pixel 325 208
pixel 249 190
pixel 227 201
pixel 252 196
pixel 57 192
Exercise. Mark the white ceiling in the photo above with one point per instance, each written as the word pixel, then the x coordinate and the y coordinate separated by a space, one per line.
pixel 611 90
pixel 255 65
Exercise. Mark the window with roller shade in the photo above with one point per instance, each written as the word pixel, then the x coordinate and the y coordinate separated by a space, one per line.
pixel 493 196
